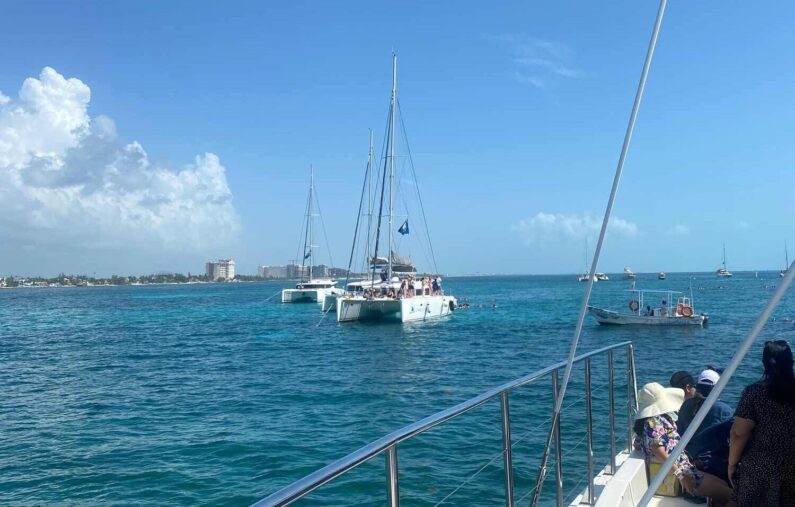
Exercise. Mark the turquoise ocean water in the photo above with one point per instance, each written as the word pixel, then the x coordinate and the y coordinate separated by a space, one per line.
pixel 211 395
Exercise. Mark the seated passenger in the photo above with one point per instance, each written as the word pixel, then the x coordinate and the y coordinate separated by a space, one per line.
pixel 762 449
pixel 649 313
pixel 684 381
pixel 710 449
pixel 718 413
pixel 655 429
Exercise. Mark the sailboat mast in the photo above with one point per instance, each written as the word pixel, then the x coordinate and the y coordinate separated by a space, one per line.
pixel 309 218
pixel 369 194
pixel 392 111
pixel 786 255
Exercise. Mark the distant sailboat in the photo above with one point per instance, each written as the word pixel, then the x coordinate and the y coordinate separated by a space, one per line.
pixel 584 276
pixel 723 272
pixel 310 289
pixel 783 272
pixel 628 274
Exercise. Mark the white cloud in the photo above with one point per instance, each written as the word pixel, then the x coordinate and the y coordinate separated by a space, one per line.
pixel 679 230
pixel 537 61
pixel 68 179
pixel 544 226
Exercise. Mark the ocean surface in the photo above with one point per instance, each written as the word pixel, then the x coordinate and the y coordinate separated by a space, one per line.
pixel 218 394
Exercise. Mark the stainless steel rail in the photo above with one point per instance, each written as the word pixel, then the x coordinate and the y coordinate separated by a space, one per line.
pixel 389 444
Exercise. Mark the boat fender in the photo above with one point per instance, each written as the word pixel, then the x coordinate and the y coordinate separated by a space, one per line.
pixel 634 305
pixel 687 311
pixel 452 306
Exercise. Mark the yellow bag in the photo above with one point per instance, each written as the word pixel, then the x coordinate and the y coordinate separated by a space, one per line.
pixel 670 486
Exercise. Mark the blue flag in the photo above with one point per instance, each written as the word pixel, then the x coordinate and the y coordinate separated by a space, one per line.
pixel 404 229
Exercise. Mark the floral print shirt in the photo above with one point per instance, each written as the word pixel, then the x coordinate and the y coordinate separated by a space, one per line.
pixel 660 430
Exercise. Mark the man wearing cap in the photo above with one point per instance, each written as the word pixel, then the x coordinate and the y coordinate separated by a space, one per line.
pixel 719 412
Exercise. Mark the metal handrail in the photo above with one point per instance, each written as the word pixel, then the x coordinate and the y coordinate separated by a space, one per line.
pixel 388 443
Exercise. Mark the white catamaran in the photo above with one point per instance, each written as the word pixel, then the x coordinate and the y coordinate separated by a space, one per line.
pixel 395 291
pixel 310 289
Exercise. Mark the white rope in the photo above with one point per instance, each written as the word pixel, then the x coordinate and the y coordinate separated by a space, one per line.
pixel 718 389
pixel 277 293
pixel 608 210
pixel 466 481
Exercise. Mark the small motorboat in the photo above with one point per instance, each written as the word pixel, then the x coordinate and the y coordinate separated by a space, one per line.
pixel 661 276
pixel 681 314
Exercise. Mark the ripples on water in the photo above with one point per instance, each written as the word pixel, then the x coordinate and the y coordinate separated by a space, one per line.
pixel 208 394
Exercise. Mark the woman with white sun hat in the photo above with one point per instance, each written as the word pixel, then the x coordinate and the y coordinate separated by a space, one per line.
pixel 655 430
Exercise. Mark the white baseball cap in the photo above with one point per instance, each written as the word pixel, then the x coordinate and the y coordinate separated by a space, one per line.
pixel 708 377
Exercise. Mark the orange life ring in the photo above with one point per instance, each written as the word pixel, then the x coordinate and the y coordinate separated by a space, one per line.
pixel 687 311
pixel 634 305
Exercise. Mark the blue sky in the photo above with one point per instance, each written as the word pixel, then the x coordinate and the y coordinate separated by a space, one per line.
pixel 515 112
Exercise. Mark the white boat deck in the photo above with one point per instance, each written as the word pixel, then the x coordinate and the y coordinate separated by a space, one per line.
pixel 626 487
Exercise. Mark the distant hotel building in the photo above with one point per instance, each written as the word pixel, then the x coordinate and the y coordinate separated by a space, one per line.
pixel 295 272
pixel 224 269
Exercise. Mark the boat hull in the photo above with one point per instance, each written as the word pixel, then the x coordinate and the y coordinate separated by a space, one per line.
pixel 412 309
pixel 308 295
pixel 330 302
pixel 609 317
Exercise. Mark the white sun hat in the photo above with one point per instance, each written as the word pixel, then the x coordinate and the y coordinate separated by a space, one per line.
pixel 655 399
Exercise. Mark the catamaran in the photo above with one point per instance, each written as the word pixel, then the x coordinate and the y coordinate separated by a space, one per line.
pixel 682 313
pixel 310 289
pixel 396 291
pixel 783 272
pixel 722 272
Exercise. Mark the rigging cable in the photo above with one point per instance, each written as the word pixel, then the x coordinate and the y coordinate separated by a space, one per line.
pixel 417 186
pixel 589 285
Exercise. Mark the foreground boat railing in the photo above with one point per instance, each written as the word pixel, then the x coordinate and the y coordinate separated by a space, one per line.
pixel 389 443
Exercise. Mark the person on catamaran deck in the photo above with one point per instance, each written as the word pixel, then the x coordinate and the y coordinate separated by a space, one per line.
pixel 656 435
pixel 435 286
pixel 684 381
pixel 664 309
pixel 719 412
pixel 762 448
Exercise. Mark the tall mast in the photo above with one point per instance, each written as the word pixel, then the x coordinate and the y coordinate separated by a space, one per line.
pixel 392 111
pixel 369 194
pixel 309 218
pixel 724 255
pixel 786 255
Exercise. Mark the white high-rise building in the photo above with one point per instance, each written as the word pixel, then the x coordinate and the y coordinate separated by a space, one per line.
pixel 224 269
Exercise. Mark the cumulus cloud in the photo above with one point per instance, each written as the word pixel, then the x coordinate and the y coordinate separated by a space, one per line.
pixel 679 230
pixel 538 61
pixel 67 178
pixel 545 226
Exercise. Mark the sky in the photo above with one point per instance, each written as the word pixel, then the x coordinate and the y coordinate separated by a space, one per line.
pixel 141 137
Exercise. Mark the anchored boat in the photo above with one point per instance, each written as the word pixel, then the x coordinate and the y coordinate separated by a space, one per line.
pixel 722 272
pixel 396 291
pixel 310 289
pixel 662 314
pixel 628 274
